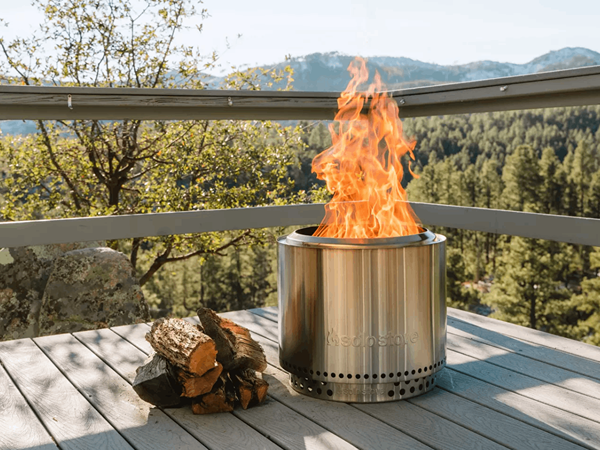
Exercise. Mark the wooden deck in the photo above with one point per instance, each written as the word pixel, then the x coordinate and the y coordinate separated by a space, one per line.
pixel 505 387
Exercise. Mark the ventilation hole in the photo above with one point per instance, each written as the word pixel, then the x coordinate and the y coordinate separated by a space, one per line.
pixel 397 383
pixel 318 373
pixel 392 375
pixel 427 384
pixel 333 375
pixel 323 383
pixel 412 389
pixel 358 376
pixel 420 370
pixel 407 381
pixel 349 375
pixel 406 373
pixel 301 386
pixel 399 374
pixel 383 375
pixel 311 371
pixel 319 391
pixel 402 392
pixel 366 376
pixel 305 379
pixel 390 393
pixel 374 376
pixel 341 375
pixel 310 389
pixel 329 392
pixel 413 371
pixel 420 387
pixel 324 374
pixel 430 367
pixel 425 369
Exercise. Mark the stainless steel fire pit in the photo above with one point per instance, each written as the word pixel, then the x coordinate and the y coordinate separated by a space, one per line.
pixel 362 320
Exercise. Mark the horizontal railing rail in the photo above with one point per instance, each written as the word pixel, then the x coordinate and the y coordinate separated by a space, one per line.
pixel 574 230
pixel 571 87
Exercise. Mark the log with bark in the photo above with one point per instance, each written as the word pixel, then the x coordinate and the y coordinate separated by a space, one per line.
pixel 215 364
pixel 193 385
pixel 184 345
pixel 156 382
pixel 236 348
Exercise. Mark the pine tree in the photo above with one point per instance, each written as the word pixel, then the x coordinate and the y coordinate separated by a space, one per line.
pixel 588 302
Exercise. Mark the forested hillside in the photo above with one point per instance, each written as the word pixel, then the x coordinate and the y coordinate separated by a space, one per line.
pixel 544 161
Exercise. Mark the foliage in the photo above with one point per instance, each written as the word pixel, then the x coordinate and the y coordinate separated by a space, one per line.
pixel 93 167
pixel 539 161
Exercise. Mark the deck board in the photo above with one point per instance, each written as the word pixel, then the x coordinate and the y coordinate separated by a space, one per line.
pixel 532 351
pixel 533 368
pixel 569 426
pixel 67 415
pixel 20 427
pixel 505 386
pixel 142 425
pixel 528 335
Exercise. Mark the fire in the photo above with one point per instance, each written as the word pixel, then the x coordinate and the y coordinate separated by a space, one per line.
pixel 363 167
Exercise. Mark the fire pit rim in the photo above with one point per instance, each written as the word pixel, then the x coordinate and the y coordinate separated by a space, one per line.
pixel 303 237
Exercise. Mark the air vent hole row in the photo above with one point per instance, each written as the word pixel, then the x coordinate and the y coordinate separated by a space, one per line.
pixel 357 376
pixel 419 384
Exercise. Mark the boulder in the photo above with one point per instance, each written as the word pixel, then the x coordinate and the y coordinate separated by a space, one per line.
pixel 24 272
pixel 88 289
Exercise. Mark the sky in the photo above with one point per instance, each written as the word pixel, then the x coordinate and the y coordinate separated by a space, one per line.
pixel 436 31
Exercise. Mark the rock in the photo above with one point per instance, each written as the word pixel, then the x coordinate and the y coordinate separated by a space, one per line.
pixel 24 272
pixel 91 288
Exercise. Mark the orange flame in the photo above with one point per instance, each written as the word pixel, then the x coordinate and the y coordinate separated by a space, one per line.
pixel 363 168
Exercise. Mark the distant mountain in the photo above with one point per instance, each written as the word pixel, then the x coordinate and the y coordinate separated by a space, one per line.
pixel 327 72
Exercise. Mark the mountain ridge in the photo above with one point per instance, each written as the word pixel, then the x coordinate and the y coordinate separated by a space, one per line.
pixel 327 71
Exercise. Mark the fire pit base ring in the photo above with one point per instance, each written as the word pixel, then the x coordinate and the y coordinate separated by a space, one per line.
pixel 364 393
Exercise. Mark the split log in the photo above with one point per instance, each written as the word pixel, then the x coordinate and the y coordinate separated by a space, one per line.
pixel 194 386
pixel 220 399
pixel 250 388
pixel 156 383
pixel 184 345
pixel 236 348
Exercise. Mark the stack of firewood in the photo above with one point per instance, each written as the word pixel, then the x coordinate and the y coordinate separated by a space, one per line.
pixel 216 364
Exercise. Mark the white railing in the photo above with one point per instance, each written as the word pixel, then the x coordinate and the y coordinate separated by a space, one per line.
pixel 560 88
pixel 574 230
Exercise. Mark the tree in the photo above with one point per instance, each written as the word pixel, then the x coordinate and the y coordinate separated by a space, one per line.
pixel 91 167
pixel 521 180
pixel 588 302
pixel 528 289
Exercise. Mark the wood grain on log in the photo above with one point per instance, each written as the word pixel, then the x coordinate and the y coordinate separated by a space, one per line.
pixel 155 382
pixel 194 386
pixel 236 348
pixel 219 399
pixel 184 345
pixel 250 388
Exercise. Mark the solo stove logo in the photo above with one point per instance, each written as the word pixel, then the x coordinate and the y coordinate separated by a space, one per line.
pixel 363 340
